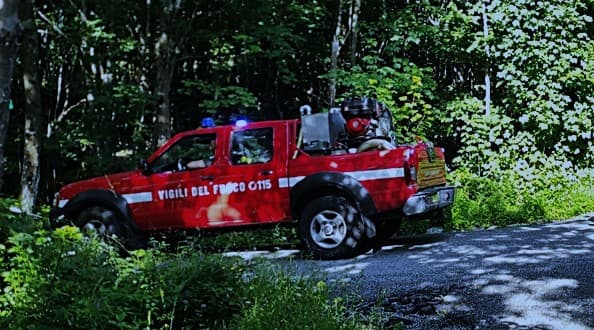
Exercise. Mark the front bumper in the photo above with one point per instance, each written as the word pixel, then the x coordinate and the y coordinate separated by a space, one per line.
pixel 56 217
pixel 429 200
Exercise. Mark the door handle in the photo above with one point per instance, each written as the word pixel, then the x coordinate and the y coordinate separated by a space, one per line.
pixel 207 177
pixel 267 172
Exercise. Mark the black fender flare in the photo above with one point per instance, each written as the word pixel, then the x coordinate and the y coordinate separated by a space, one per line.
pixel 104 198
pixel 331 183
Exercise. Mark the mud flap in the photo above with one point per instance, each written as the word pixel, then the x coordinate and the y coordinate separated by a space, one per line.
pixel 370 230
pixel 369 226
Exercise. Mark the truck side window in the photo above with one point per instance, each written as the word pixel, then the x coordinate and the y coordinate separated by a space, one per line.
pixel 191 152
pixel 252 146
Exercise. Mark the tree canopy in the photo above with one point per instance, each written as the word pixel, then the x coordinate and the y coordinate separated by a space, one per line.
pixel 117 78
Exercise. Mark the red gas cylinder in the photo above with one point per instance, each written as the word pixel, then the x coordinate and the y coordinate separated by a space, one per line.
pixel 357 126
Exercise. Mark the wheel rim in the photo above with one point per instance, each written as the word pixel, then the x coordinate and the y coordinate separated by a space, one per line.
pixel 328 229
pixel 101 225
pixel 96 226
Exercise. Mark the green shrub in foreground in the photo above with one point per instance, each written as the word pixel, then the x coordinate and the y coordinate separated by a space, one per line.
pixel 61 279
pixel 278 302
pixel 484 202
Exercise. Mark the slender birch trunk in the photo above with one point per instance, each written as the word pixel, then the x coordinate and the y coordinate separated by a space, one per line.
pixel 488 53
pixel 33 111
pixel 335 52
pixel 355 30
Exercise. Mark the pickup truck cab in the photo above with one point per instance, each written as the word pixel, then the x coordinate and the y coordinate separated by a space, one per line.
pixel 259 173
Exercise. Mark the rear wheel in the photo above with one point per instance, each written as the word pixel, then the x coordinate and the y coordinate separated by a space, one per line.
pixel 331 228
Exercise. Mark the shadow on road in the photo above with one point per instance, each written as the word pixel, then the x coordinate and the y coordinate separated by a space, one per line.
pixel 407 242
pixel 526 276
pixel 536 276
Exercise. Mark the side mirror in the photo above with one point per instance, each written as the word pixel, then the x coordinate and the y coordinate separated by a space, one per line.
pixel 143 166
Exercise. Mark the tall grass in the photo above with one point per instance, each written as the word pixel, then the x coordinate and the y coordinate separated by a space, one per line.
pixel 485 202
pixel 61 279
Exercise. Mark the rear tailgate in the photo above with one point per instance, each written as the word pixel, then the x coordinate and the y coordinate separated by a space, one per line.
pixel 432 192
pixel 430 167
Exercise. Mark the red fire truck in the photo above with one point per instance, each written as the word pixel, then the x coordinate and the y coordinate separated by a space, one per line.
pixel 339 176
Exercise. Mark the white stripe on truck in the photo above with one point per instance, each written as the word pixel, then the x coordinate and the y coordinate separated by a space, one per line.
pixel 384 173
pixel 367 175
pixel 141 197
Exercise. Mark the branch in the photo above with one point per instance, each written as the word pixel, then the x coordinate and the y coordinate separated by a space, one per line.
pixel 54 26
pixel 70 108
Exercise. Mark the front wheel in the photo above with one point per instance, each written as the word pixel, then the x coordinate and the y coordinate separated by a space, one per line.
pixel 100 221
pixel 332 228
pixel 104 223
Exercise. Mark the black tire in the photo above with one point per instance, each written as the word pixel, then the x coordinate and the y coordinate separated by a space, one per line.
pixel 100 220
pixel 105 224
pixel 331 228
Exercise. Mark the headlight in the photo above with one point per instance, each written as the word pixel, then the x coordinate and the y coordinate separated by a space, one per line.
pixel 56 199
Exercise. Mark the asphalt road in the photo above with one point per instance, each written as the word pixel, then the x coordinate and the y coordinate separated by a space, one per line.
pixel 520 277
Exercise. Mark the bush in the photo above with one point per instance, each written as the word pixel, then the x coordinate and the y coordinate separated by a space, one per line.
pixel 483 202
pixel 279 302
pixel 260 238
pixel 52 283
pixel 10 220
pixel 62 279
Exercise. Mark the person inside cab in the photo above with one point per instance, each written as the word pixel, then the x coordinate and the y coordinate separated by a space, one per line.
pixel 205 159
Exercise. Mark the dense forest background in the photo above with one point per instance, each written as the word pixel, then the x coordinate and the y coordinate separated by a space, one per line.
pixel 506 86
pixel 89 87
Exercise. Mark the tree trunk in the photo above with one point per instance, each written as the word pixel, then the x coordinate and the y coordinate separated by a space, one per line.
pixel 33 123
pixel 355 30
pixel 335 52
pixel 9 33
pixel 488 53
pixel 166 50
pixel 165 61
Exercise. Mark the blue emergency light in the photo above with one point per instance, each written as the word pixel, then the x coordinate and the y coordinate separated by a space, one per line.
pixel 207 122
pixel 241 123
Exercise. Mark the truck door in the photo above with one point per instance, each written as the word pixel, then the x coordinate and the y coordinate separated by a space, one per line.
pixel 249 191
pixel 177 182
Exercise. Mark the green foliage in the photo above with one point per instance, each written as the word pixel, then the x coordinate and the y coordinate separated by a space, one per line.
pixel 541 120
pixel 486 143
pixel 12 220
pixel 282 303
pixel 62 279
pixel 218 98
pixel 187 289
pixel 405 88
pixel 541 52
pixel 483 202
pixel 45 278
pixel 248 240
